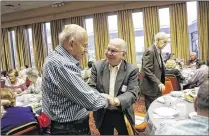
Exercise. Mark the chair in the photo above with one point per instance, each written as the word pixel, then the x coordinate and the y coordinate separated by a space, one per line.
pixel 141 127
pixel 27 82
pixel 27 129
pixel 2 83
pixel 168 86
pixel 174 81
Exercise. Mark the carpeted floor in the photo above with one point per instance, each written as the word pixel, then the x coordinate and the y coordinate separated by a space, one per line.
pixel 138 107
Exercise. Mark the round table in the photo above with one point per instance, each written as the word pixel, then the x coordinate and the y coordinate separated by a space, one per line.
pixel 154 123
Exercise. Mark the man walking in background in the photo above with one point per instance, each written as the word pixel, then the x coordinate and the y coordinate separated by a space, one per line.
pixel 153 71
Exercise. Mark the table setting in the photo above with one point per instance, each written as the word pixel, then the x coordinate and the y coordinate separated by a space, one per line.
pixel 178 105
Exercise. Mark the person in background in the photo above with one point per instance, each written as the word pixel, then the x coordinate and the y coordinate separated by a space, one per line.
pixel 22 74
pixel 17 84
pixel 86 73
pixel 117 79
pixel 4 75
pixel 199 76
pixel 193 59
pixel 35 82
pixel 14 117
pixel 67 99
pixel 197 125
pixel 153 70
pixel 171 69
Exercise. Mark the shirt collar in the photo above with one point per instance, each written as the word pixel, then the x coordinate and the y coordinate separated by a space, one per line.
pixel 118 66
pixel 158 50
pixel 200 119
pixel 61 50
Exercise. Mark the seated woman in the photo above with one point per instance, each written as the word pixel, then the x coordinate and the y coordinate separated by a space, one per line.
pixel 15 83
pixel 171 69
pixel 14 117
pixel 35 82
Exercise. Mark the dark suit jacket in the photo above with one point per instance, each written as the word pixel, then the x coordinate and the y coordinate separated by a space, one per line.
pixel 152 73
pixel 127 76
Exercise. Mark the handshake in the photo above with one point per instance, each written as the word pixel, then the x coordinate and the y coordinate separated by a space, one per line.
pixel 114 101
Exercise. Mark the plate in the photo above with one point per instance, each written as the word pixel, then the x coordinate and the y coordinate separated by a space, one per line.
pixel 191 114
pixel 165 111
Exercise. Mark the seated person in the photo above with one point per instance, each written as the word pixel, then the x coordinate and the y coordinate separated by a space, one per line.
pixel 18 85
pixel 35 82
pixel 199 76
pixel 3 75
pixel 193 59
pixel 171 69
pixel 197 125
pixel 14 117
pixel 22 73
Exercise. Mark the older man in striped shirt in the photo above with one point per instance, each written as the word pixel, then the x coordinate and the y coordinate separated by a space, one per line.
pixel 67 99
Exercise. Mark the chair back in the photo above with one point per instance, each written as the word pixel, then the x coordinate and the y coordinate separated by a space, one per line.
pixel 174 81
pixel 168 86
pixel 2 83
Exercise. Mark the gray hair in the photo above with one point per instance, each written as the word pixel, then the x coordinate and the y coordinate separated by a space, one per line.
pixel 160 36
pixel 193 53
pixel 32 72
pixel 72 32
pixel 119 42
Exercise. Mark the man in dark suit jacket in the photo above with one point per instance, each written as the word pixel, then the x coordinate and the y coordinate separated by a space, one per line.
pixel 153 73
pixel 117 80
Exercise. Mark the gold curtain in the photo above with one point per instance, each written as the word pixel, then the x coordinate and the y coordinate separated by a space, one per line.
pixel 38 46
pixel 101 34
pixel 179 30
pixel 56 28
pixel 126 32
pixel 203 29
pixel 21 47
pixel 151 25
pixel 6 63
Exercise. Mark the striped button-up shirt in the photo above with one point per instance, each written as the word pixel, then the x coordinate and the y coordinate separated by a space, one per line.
pixel 66 97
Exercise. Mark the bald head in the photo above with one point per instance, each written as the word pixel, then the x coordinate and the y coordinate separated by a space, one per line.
pixel 119 43
pixel 72 32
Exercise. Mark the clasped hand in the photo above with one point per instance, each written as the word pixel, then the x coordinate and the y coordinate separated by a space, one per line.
pixel 112 100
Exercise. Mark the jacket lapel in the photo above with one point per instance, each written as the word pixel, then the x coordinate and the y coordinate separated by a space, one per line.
pixel 157 55
pixel 105 77
pixel 120 77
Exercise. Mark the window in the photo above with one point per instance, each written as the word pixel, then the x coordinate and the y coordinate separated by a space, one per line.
pixel 165 27
pixel 48 37
pixel 13 48
pixel 30 44
pixel 192 26
pixel 113 26
pixel 90 31
pixel 139 36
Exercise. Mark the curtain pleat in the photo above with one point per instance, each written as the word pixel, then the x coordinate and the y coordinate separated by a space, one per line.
pixel 203 29
pixel 126 32
pixel 21 46
pixel 179 30
pixel 151 24
pixel 6 63
pixel 38 46
pixel 101 34
pixel 56 27
pixel 81 22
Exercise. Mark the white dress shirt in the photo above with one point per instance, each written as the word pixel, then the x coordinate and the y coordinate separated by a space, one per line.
pixel 113 75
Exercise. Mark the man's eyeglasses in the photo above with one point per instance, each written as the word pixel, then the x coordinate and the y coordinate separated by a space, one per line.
pixel 113 51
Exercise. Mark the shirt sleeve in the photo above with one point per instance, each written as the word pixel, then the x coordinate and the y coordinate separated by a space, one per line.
pixel 73 86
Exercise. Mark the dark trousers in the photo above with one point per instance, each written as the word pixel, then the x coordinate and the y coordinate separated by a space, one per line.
pixel 113 119
pixel 150 99
pixel 80 127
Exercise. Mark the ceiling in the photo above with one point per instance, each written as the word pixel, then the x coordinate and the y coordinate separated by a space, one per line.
pixel 15 6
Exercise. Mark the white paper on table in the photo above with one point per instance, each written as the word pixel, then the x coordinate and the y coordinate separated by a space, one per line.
pixel 165 111
pixel 156 116
pixel 139 120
